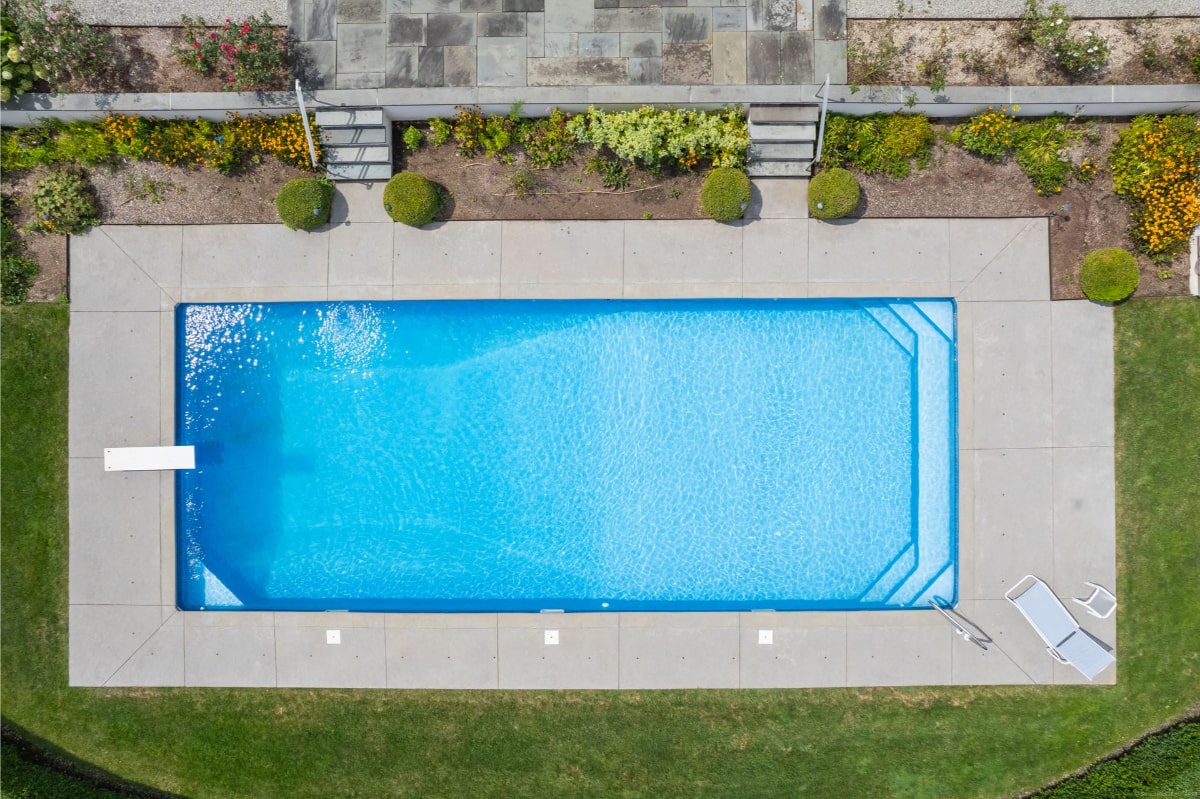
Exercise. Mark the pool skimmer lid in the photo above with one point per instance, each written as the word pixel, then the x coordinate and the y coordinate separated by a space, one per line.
pixel 766 637
pixel 333 636
pixel 551 637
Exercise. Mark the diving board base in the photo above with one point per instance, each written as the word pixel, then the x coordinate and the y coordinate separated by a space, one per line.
pixel 144 459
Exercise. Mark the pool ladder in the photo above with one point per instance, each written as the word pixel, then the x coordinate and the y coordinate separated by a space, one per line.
pixel 958 628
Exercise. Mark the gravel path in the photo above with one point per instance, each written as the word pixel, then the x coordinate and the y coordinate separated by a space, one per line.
pixel 146 12
pixel 1012 9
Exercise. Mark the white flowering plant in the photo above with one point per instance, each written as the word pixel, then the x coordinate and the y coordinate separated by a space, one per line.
pixel 1050 33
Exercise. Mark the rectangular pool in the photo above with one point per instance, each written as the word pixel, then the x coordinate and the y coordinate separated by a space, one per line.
pixel 574 455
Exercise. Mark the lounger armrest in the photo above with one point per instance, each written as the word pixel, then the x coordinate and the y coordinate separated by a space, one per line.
pixel 1013 591
pixel 1054 654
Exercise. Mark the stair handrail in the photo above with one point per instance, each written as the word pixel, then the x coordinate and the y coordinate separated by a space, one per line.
pixel 823 93
pixel 958 628
pixel 312 151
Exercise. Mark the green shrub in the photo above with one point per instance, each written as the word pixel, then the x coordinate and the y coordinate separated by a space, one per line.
pixel 832 194
pixel 412 199
pixel 16 70
pixel 725 194
pixel 888 143
pixel 304 203
pixel 58 44
pixel 441 131
pixel 658 138
pixel 413 138
pixel 991 134
pixel 613 174
pixel 17 273
pixel 1108 275
pixel 1041 146
pixel 1152 767
pixel 247 55
pixel 1049 32
pixel 547 142
pixel 62 203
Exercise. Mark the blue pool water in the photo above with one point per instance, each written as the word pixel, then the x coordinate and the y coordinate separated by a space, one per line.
pixel 575 455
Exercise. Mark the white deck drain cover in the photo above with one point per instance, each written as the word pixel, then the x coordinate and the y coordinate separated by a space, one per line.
pixel 551 637
pixel 333 636
pixel 766 636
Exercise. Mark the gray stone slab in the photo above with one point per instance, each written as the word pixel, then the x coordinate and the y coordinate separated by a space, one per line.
pixel 535 35
pixel 360 10
pixel 321 22
pixel 114 533
pixel 424 7
pixel 360 48
pixel 1012 375
pixel 629 20
pixel 431 66
pixel 796 57
pixel 241 656
pixel 898 655
pixel 304 658
pixel 561 45
pixel 684 251
pixel 830 21
pixel 762 57
pixel 158 662
pixel 1082 374
pixel 525 5
pixel 640 45
pixel 1084 518
pixel 804 15
pixel 645 71
pixel 829 58
pixel 729 58
pixel 562 253
pixel 1013 518
pixel 442 656
pixel 502 62
pixel 360 254
pixel 584 657
pixel 797 657
pixel 482 6
pixel 880 250
pixel 222 256
pixel 570 16
pixel 679 657
pixel 501 24
pixel 401 67
pixel 104 637
pixel 600 45
pixel 105 278
pixel 460 66
pixel 463 253
pixel 607 4
pixel 447 29
pixel 576 71
pixel 361 80
pixel 114 368
pixel 317 63
pixel 686 25
pixel 687 64
pixel 406 29
pixel 729 20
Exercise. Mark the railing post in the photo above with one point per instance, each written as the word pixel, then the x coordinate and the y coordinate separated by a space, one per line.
pixel 824 93
pixel 312 151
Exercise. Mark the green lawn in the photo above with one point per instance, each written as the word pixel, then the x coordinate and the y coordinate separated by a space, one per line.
pixel 964 742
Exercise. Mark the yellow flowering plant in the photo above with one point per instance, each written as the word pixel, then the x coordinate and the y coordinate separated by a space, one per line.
pixel 1156 170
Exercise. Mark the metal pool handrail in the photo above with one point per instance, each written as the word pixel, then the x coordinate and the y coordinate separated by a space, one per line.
pixel 963 631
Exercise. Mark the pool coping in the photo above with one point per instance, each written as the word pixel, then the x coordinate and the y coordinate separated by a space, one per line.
pixel 1035 448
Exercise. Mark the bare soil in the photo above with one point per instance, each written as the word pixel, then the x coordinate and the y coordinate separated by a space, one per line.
pixel 991 46
pixel 485 188
pixel 143 60
pixel 143 193
pixel 1084 217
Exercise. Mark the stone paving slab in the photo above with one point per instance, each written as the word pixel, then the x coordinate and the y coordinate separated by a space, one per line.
pixel 1035 491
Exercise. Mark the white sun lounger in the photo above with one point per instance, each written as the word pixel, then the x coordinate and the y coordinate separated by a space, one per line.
pixel 1065 640
pixel 144 459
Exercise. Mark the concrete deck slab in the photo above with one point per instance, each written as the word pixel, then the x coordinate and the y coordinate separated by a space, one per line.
pixel 1035 449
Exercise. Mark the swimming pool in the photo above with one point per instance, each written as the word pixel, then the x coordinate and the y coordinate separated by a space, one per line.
pixel 574 455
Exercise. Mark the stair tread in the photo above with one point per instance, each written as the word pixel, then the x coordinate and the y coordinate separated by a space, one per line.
pixel 781 151
pixel 350 117
pixel 782 114
pixel 359 171
pixel 371 135
pixel 346 154
pixel 799 131
pixel 779 169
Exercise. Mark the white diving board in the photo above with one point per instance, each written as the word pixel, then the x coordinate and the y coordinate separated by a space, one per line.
pixel 143 459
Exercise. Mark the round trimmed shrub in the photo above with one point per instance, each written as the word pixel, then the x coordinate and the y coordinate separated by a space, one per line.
pixel 725 195
pixel 1108 275
pixel 304 203
pixel 412 199
pixel 832 194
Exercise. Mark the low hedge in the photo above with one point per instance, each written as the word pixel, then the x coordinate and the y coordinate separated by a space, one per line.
pixel 725 195
pixel 412 199
pixel 1108 275
pixel 305 203
pixel 832 194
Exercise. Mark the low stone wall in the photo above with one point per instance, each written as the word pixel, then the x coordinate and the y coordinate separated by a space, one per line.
pixel 1013 9
pixel 412 104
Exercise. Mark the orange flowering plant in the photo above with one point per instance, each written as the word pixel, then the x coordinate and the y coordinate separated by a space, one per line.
pixel 1156 169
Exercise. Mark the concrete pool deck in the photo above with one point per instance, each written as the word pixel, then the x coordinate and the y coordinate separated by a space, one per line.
pixel 1035 439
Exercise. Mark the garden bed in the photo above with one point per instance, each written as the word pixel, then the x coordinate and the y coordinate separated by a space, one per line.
pixel 988 53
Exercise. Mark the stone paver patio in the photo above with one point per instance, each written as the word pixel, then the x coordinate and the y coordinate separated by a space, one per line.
pixel 1035 437
pixel 371 44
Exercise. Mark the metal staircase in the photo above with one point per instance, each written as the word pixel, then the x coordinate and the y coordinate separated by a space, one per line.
pixel 783 140
pixel 357 142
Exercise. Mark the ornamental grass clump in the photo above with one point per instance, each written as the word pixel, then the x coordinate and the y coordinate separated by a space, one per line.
pixel 411 199
pixel 832 194
pixel 1156 170
pixel 725 195
pixel 1108 275
pixel 304 203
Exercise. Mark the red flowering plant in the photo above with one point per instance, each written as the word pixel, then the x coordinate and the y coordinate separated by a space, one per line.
pixel 249 55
